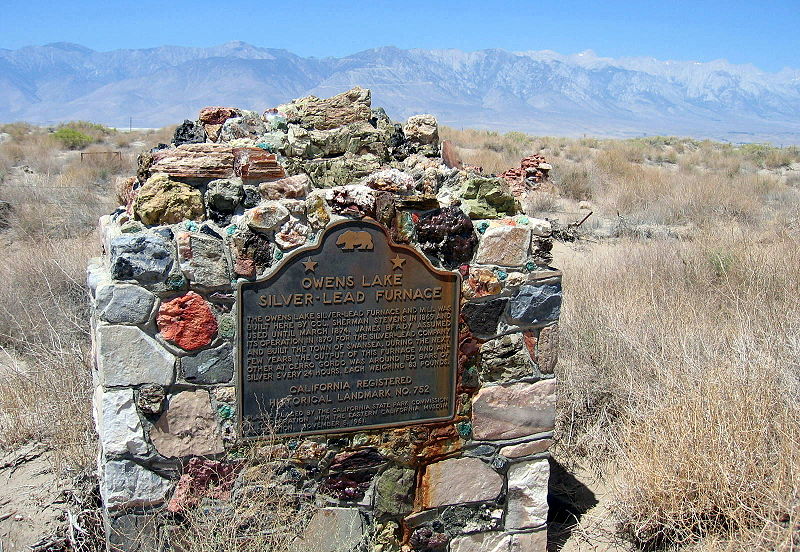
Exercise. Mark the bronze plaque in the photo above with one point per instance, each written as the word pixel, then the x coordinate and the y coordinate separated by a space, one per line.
pixel 355 332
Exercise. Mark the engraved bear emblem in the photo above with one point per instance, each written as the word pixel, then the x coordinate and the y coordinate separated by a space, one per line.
pixel 352 239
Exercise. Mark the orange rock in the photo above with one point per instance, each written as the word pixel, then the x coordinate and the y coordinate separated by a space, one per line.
pixel 187 321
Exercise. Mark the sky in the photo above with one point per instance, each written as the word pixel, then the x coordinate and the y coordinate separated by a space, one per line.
pixel 762 32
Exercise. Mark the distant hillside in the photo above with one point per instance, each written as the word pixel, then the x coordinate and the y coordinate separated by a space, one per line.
pixel 537 92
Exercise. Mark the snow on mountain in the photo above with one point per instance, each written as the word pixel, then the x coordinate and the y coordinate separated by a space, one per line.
pixel 542 92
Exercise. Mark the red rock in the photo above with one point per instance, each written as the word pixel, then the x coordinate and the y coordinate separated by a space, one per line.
pixel 458 480
pixel 532 172
pixel 202 479
pixel 529 338
pixel 217 115
pixel 187 321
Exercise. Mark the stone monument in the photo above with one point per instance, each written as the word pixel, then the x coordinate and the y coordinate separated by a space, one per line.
pixel 318 278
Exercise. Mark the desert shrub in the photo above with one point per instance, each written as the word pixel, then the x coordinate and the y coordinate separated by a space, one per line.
pixel 19 130
pixel 793 181
pixel 573 180
pixel 96 131
pixel 770 157
pixel 540 203
pixel 71 138
pixel 79 134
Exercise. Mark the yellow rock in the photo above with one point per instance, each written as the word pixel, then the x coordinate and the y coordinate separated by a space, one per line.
pixel 165 201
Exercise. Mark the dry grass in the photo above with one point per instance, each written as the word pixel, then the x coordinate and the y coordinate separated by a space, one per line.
pixel 680 358
pixel 44 338
pixel 268 509
pixel 657 180
pixel 680 361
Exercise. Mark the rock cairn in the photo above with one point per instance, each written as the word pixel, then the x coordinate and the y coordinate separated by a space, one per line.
pixel 531 176
pixel 233 193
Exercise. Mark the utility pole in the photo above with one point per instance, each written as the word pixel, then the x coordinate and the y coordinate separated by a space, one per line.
pixel 130 124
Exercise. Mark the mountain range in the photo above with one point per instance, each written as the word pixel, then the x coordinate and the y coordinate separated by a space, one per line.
pixel 539 92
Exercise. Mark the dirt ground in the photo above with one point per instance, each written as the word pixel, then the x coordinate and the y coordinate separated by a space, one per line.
pixel 582 521
pixel 31 503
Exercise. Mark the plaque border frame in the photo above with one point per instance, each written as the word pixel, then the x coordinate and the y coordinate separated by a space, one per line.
pixel 317 246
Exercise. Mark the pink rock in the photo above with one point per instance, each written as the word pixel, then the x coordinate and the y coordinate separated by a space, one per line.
pixel 516 410
pixel 293 187
pixel 187 321
pixel 459 480
pixel 504 245
pixel 292 233
pixel 526 449
pixel 195 161
pixel 187 427
pixel 246 268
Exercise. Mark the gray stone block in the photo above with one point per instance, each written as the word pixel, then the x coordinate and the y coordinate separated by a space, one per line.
pixel 127 356
pixel 527 494
pixel 535 304
pixel 117 422
pixel 125 484
pixel 124 304
pixel 209 366
pixel 145 258
pixel 203 262
pixel 332 530
pixel 134 533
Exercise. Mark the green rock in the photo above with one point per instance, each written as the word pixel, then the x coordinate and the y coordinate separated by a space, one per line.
pixel 226 326
pixel 505 358
pixel 176 282
pixel 273 141
pixel 225 411
pixel 488 198
pixel 464 429
pixel 394 492
pixel 404 223
pixel 132 227
pixel 338 171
